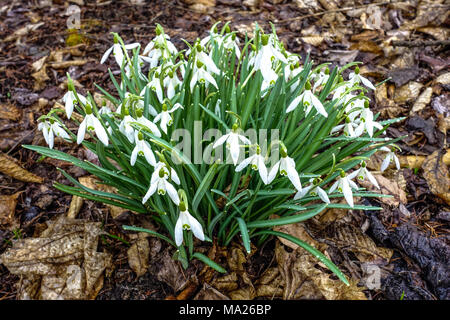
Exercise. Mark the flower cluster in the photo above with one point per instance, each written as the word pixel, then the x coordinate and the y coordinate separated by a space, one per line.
pixel 318 127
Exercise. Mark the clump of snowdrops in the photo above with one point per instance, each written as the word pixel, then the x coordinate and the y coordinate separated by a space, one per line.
pixel 215 141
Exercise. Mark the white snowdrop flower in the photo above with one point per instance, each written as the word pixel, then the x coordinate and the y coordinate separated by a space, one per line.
pixel 269 80
pixel 155 86
pixel 70 99
pixel 187 222
pixel 286 167
pixel 345 185
pixel 390 157
pixel 206 60
pixel 91 123
pixel 117 51
pixel 159 47
pixel 340 92
pixel 366 121
pixel 353 108
pixel 159 182
pixel 362 173
pixel 314 190
pixel 170 82
pixel 232 142
pixel 165 117
pixel 50 129
pixel 320 79
pixel 200 74
pixel 257 164
pixel 147 123
pixel 349 128
pixel 143 149
pixel 356 78
pixel 267 54
pixel 309 100
pixel 126 128
pixel 217 108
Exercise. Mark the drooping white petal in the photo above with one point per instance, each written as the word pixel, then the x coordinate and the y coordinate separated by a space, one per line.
pixel 244 163
pixel 273 172
pixel 172 192
pixel 106 55
pixel 81 131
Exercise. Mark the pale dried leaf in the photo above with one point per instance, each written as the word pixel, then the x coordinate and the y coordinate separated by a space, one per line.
pixel 138 254
pixel 388 187
pixel 63 260
pixel 10 166
pixel 423 100
pixel 408 92
pixel 10 112
pixel 7 209
pixel 436 172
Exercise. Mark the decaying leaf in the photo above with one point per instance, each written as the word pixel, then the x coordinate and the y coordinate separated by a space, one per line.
pixel 138 253
pixel 10 166
pixel 210 293
pixel 346 236
pixel 7 209
pixel 63 261
pixel 407 92
pixel 303 280
pixel 92 183
pixel 443 78
pixel 10 112
pixel 422 101
pixel 437 175
pixel 387 186
pixel 168 270
pixel 75 207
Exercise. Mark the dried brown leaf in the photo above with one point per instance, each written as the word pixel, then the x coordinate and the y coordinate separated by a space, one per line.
pixel 422 101
pixel 138 254
pixel 388 187
pixel 303 280
pixel 436 172
pixel 10 166
pixel 63 261
pixel 10 112
pixel 408 92
pixel 7 209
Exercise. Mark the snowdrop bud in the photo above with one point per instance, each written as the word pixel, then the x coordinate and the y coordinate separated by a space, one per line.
pixel 235 127
pixel 139 113
pixel 327 71
pixel 158 30
pixel 162 173
pixel 88 108
pixel 253 47
pixel 233 36
pixel 140 136
pixel 292 67
pixel 341 78
pixel 264 39
pixel 182 206
pixel 308 85
pixel 199 64
pixel 357 70
pixel 366 104
pixel 227 29
pixel 363 164
pixel 164 107
pixel 283 152
pixel 342 174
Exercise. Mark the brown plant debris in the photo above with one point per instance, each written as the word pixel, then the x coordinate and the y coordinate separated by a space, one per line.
pixel 62 263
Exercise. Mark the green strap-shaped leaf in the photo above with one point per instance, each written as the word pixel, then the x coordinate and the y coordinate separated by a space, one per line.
pixel 209 262
pixel 244 233
pixel 287 220
pixel 204 185
pixel 151 232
